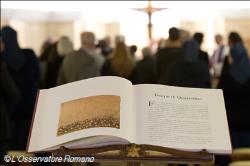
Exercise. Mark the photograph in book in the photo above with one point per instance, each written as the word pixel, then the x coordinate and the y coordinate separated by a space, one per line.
pixel 89 112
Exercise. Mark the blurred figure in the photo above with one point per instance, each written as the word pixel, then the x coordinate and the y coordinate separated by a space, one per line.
pixel 105 47
pixel 120 39
pixel 190 72
pixel 46 44
pixel 64 46
pixel 219 55
pixel 24 69
pixel 235 82
pixel 173 40
pixel 53 64
pixel 161 44
pixel 9 94
pixel 168 55
pixel 43 61
pixel 184 36
pixel 203 56
pixel 12 53
pixel 80 64
pixel 56 54
pixel 120 62
pixel 1 46
pixel 145 70
pixel 133 50
pixel 31 84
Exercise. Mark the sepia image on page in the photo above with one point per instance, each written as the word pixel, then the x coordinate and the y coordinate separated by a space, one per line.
pixel 182 118
pixel 89 112
pixel 101 106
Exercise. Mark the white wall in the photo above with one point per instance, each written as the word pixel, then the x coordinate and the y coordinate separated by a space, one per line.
pixel 130 23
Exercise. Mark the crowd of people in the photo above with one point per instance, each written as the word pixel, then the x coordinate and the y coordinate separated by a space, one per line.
pixel 178 61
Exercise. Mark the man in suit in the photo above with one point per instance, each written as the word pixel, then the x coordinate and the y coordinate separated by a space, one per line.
pixel 219 55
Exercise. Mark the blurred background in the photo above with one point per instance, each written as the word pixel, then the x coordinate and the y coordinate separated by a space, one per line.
pixel 38 21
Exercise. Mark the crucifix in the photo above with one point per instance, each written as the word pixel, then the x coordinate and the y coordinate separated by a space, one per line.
pixel 149 10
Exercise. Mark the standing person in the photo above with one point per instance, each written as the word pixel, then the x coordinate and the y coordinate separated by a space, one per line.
pixel 145 70
pixel 203 55
pixel 235 82
pixel 80 64
pixel 12 53
pixel 105 46
pixel 167 56
pixel 24 69
pixel 133 50
pixel 48 42
pixel 120 62
pixel 29 89
pixel 55 54
pixel 53 65
pixel 9 94
pixel 64 46
pixel 219 55
pixel 43 60
pixel 190 71
pixel 31 77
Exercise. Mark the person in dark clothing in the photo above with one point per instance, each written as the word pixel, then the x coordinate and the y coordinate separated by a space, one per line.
pixel 53 65
pixel 104 45
pixel 12 54
pixel 169 55
pixel 145 70
pixel 48 42
pixel 22 115
pixel 190 72
pixel 24 69
pixel 235 82
pixel 203 56
pixel 120 63
pixel 52 60
pixel 43 61
pixel 133 50
pixel 30 87
pixel 9 94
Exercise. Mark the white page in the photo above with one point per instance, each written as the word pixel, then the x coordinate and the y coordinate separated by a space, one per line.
pixel 182 118
pixel 45 127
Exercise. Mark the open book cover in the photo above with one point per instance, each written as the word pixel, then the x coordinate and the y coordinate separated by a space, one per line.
pixel 110 110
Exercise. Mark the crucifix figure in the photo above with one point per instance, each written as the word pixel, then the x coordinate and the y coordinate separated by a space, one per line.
pixel 149 10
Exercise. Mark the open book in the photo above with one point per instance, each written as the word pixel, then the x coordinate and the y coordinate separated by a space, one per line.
pixel 110 110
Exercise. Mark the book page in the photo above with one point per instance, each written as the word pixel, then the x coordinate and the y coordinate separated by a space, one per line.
pixel 93 107
pixel 189 119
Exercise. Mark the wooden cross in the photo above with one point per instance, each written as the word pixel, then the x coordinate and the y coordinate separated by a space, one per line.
pixel 149 10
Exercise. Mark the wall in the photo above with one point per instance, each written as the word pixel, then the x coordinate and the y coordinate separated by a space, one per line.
pixel 32 34
pixel 3 22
